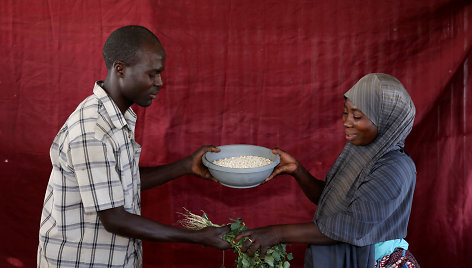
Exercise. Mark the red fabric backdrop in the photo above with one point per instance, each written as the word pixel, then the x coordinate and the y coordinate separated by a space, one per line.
pixel 270 73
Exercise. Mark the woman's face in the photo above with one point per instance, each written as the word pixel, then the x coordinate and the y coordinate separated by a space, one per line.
pixel 359 129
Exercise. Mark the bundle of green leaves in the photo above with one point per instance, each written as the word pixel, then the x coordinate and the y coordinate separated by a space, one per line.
pixel 276 256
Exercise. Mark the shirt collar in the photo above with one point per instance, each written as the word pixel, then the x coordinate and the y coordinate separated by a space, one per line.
pixel 118 119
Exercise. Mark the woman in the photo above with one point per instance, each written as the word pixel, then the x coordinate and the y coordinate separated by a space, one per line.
pixel 365 203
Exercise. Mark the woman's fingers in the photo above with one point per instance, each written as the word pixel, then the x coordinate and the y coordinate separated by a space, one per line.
pixel 250 246
pixel 263 252
pixel 277 171
pixel 253 248
pixel 241 235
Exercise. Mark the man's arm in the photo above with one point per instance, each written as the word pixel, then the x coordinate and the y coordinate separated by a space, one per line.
pixel 118 221
pixel 155 176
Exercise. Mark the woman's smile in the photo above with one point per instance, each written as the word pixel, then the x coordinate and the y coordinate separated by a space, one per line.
pixel 350 136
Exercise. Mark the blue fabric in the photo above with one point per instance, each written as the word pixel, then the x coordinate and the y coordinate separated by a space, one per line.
pixel 387 247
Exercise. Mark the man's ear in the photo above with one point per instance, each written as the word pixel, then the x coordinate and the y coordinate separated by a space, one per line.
pixel 119 68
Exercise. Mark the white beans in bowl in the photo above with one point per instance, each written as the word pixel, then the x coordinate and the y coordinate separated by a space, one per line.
pixel 249 161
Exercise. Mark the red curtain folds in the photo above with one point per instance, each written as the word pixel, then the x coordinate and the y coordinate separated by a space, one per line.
pixel 270 73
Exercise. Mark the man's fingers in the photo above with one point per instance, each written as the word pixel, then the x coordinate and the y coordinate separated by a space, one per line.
pixel 212 148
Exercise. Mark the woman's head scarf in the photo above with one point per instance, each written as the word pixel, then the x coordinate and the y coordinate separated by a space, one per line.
pixel 384 100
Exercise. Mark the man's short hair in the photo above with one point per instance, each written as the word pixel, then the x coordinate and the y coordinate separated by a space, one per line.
pixel 124 43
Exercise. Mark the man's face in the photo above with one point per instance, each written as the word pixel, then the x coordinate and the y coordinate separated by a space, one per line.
pixel 142 80
pixel 359 129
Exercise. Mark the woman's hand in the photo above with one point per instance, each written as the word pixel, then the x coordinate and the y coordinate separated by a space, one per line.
pixel 196 165
pixel 213 237
pixel 261 238
pixel 288 164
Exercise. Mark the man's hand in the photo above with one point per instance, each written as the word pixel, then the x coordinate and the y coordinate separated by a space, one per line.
pixel 213 237
pixel 119 221
pixel 192 164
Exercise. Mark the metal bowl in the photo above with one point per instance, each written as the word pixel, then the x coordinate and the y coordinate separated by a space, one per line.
pixel 240 177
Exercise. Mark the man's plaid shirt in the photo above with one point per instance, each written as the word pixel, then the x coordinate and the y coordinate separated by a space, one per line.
pixel 95 167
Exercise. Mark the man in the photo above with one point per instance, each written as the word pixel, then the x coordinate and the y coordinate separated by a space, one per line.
pixel 91 214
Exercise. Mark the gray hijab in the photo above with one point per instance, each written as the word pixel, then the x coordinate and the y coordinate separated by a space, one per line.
pixel 384 100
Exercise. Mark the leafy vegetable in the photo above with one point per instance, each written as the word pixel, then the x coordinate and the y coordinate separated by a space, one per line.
pixel 276 256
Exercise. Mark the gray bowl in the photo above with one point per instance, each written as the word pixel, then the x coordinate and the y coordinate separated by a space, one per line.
pixel 240 177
